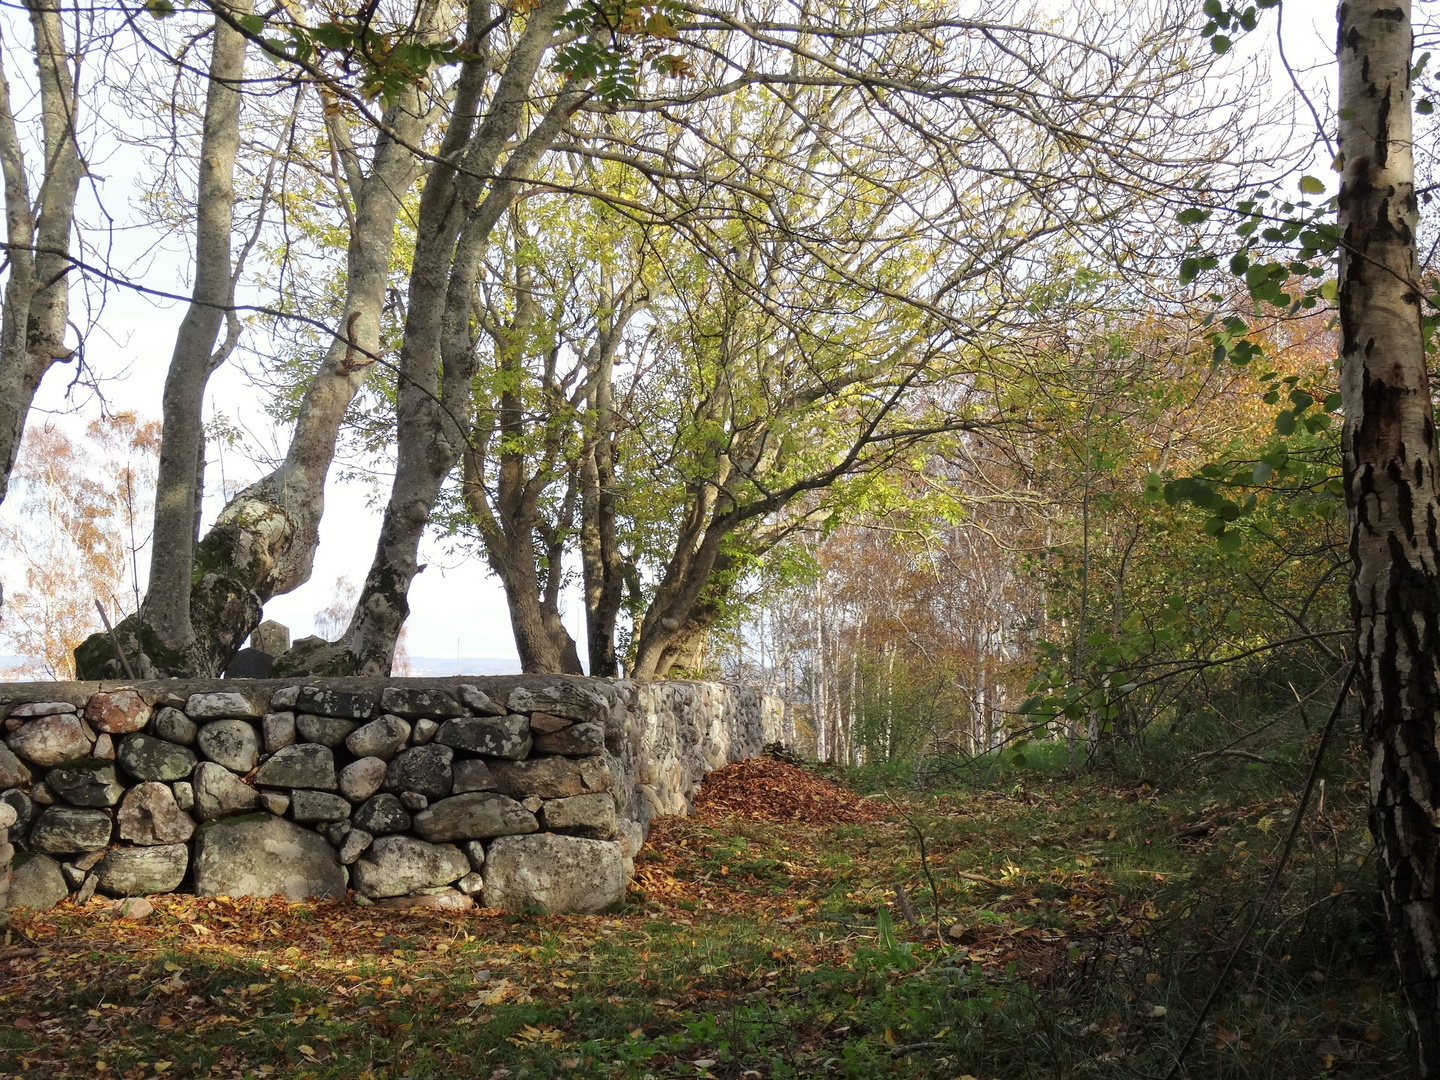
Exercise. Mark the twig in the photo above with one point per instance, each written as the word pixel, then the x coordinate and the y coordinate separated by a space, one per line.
pixel 924 863
pixel 982 880
pixel 1249 931
pixel 907 1048
pixel 114 640
pixel 905 908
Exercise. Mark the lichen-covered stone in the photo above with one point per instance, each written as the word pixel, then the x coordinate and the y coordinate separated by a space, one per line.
pixel 62 830
pixel 147 758
pixel 396 865
pixel 361 779
pixel 472 774
pixel 285 698
pixel 36 882
pixel 581 815
pixel 493 736
pixel 220 793
pixel 223 705
pixel 149 815
pixel 481 703
pixel 312 806
pixel 354 845
pixel 475 852
pixel 323 701
pixel 577 740
pixel 328 731
pixel 559 696
pixel 551 777
pixel 41 708
pixel 471 883
pixel 382 738
pixel 104 747
pixel 142 871
pixel 118 712
pixel 275 802
pixel 86 782
pixel 184 794
pixel 542 723
pixel 413 801
pixel 475 816
pixel 172 725
pixel 556 873
pixel 263 855
pixel 413 701
pixel 23 806
pixel 382 815
pixel 279 730
pixel 422 731
pixel 231 743
pixel 13 773
pixel 304 765
pixel 50 740
pixel 424 769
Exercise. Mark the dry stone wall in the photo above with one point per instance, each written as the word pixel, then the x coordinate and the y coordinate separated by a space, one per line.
pixel 516 791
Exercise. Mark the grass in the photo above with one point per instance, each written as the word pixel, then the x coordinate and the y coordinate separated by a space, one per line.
pixel 1081 926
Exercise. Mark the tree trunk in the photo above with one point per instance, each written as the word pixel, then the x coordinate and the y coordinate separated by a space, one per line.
pixel 195 358
pixel 36 303
pixel 263 543
pixel 1391 471
pixel 438 361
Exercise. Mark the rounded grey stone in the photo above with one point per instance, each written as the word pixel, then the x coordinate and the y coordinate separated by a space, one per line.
pixel 361 779
pixel 262 855
pixel 381 738
pixel 149 815
pixel 474 816
pixel 147 758
pixel 36 883
pixel 142 871
pixel 312 806
pixel 326 730
pixel 279 730
pixel 304 765
pixel 220 793
pixel 172 725
pixel 86 782
pixel 557 873
pixel 13 773
pixel 50 740
pixel 493 736
pixel 382 815
pixel 23 806
pixel 396 865
pixel 424 769
pixel 231 743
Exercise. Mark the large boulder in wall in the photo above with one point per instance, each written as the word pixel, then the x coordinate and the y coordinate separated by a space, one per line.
pixel 556 873
pixel 263 855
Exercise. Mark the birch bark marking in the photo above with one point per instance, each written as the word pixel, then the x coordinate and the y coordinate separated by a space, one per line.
pixel 1391 472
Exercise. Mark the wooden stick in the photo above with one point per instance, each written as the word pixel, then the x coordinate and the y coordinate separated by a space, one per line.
pixel 114 640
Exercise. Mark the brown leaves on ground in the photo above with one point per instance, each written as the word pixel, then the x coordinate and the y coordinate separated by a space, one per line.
pixel 764 789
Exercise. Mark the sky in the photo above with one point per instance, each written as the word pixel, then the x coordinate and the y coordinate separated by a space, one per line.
pixel 457 608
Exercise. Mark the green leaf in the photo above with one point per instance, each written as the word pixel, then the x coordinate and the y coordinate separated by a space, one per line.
pixel 1193 216
pixel 1261 472
pixel 161 9
pixel 1189 269
pixel 1330 290
pixel 1424 107
pixel 1285 423
pixel 1312 186
pixel 252 24
pixel 1221 44
pixel 1332 403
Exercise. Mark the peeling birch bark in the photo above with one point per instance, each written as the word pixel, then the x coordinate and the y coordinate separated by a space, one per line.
pixel 1392 494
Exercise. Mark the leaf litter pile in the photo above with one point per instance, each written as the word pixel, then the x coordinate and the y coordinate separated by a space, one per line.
pixel 751 947
pixel 768 789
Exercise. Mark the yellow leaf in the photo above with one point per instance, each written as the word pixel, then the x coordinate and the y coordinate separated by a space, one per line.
pixel 889 1037
pixel 308 1051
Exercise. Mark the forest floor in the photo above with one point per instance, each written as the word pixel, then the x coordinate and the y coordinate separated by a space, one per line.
pixel 1081 925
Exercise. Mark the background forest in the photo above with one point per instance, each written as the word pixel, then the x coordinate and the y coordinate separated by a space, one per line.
pixel 967 374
